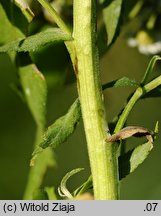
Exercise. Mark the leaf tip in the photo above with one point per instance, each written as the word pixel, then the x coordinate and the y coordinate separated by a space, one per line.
pixel 32 161
pixel 156 130
pixel 62 189
pixel 36 152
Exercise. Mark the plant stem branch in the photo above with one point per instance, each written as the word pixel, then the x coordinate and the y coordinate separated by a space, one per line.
pixel 149 69
pixel 135 97
pixel 102 155
pixel 55 16
pixel 61 24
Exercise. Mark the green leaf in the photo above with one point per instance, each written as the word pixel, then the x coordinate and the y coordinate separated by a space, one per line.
pixel 123 82
pixel 62 128
pixel 14 18
pixel 84 187
pixel 129 161
pixel 63 191
pixel 150 68
pixel 35 90
pixel 15 26
pixel 36 41
pixel 8 32
pixel 133 158
pixel 111 16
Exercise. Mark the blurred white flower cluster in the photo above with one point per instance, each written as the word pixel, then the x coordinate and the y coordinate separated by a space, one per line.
pixel 147 35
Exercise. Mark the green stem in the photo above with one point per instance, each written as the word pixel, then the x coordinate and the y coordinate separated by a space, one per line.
pixel 102 155
pixel 149 69
pixel 55 15
pixel 136 96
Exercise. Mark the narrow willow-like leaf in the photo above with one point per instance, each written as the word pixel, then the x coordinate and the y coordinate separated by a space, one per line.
pixel 62 128
pixel 35 90
pixel 133 158
pixel 36 41
pixel 63 185
pixel 84 187
pixel 123 82
pixel 14 27
pixel 150 68
pixel 129 161
pixel 111 16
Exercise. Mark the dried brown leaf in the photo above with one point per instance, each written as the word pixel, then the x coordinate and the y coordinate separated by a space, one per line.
pixel 132 131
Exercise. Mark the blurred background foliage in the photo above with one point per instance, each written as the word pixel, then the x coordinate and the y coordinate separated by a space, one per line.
pixel 17 128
